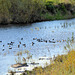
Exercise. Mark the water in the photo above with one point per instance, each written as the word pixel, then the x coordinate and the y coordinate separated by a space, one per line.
pixel 55 31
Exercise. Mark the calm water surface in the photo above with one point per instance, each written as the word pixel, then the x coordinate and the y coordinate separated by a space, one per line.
pixel 51 33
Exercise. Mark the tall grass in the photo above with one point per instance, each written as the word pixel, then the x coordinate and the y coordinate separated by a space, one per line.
pixel 62 65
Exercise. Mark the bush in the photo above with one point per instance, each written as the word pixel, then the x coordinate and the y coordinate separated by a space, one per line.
pixel 62 7
pixel 50 7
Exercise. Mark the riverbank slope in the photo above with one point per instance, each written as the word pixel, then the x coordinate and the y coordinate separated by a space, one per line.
pixel 62 65
pixel 28 11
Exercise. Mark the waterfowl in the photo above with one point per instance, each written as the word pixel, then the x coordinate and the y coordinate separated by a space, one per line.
pixel 24 45
pixel 21 38
pixel 18 46
pixel 19 42
pixel 32 43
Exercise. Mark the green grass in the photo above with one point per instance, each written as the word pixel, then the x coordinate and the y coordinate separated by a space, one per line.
pixel 62 1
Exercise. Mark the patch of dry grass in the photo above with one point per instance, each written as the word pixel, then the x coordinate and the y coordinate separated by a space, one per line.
pixel 62 65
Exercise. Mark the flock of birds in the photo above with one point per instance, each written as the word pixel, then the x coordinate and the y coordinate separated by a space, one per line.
pixel 10 44
pixel 50 41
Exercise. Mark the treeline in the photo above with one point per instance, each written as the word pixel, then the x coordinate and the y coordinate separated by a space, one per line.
pixel 25 11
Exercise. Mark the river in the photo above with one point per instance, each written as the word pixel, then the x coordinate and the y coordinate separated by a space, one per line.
pixel 40 39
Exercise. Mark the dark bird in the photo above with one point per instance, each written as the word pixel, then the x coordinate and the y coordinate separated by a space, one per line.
pixel 18 46
pixel 0 41
pixel 3 49
pixel 21 38
pixel 10 48
pixel 32 43
pixel 20 42
pixel 24 45
pixel 3 45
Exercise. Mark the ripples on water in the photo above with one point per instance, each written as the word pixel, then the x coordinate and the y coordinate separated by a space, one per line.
pixel 53 36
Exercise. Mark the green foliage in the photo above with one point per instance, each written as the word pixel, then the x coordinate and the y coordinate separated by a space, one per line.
pixel 5 6
pixel 62 1
pixel 48 16
pixel 50 7
pixel 62 7
pixel 25 11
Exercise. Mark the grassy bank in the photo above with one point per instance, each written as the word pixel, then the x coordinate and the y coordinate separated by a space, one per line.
pixel 26 11
pixel 62 65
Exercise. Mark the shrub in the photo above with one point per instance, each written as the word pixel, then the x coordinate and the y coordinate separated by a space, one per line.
pixel 50 7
